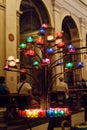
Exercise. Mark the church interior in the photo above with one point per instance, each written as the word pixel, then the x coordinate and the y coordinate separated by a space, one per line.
pixel 45 40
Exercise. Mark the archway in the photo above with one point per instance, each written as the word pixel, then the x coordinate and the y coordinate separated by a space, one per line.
pixel 71 36
pixel 34 14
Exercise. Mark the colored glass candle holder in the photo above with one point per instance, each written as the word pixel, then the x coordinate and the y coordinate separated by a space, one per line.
pixel 50 50
pixel 30 53
pixel 39 113
pixel 22 45
pixel 29 39
pixel 80 64
pixel 69 65
pixel 41 31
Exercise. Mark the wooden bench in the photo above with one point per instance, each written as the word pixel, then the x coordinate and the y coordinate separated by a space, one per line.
pixel 20 101
pixel 58 99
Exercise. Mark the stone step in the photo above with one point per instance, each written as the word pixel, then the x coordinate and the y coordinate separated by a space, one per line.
pixel 15 127
pixel 19 127
pixel 3 126
pixel 15 122
pixel 11 124
pixel 2 117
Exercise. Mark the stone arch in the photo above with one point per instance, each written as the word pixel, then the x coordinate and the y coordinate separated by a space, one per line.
pixel 71 35
pixel 70 30
pixel 33 16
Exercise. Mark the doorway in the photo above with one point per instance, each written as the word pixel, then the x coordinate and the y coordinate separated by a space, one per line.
pixel 71 36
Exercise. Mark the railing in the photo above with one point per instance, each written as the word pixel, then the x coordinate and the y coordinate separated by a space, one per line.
pixel 76 97
pixel 20 101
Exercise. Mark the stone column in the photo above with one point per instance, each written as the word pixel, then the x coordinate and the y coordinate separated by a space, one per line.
pixel 83 44
pixel 2 37
pixel 57 24
pixel 11 41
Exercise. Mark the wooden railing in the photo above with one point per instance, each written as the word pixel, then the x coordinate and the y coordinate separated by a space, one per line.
pixel 20 101
pixel 77 92
pixel 76 96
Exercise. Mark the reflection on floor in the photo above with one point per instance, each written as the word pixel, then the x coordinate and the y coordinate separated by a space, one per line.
pixel 19 124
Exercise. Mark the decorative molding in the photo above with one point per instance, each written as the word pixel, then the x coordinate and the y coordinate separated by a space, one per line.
pixel 84 2
pixel 2 1
pixel 75 7
pixel 11 37
pixel 57 8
